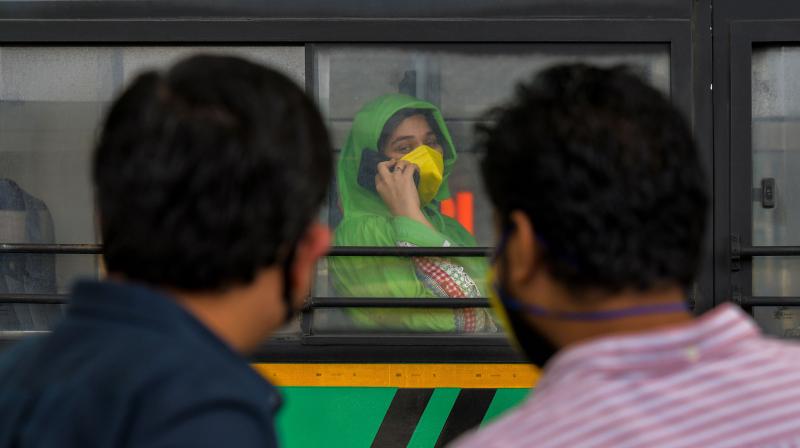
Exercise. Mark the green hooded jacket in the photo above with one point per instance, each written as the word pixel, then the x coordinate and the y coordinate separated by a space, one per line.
pixel 368 222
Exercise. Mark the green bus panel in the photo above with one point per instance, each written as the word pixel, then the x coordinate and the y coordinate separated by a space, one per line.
pixel 354 417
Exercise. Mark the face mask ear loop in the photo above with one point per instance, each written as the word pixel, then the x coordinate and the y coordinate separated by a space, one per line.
pixel 499 255
pixel 501 245
pixel 288 300
pixel 500 283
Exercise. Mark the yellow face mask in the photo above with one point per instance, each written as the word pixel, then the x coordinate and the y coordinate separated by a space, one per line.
pixel 431 171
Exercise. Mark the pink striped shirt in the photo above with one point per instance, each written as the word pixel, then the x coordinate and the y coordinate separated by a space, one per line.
pixel 716 382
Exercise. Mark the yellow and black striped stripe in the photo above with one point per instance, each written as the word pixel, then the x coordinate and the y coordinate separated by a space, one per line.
pixel 415 385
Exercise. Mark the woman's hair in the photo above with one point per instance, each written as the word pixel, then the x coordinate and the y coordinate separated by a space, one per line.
pixel 398 117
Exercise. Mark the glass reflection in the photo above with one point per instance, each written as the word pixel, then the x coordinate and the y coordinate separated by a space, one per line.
pixel 51 103
pixel 776 161
pixel 361 89
pixel 26 219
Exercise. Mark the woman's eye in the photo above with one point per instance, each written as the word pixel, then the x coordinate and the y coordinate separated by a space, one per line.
pixel 403 149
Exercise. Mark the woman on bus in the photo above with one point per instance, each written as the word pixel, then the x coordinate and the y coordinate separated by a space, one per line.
pixel 392 174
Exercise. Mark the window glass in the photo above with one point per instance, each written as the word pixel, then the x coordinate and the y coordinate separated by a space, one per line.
pixel 52 101
pixel 421 103
pixel 776 163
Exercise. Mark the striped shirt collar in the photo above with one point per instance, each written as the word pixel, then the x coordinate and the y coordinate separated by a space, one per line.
pixel 711 335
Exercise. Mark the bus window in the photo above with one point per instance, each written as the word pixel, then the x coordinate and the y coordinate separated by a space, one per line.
pixel 776 160
pixel 52 101
pixel 421 104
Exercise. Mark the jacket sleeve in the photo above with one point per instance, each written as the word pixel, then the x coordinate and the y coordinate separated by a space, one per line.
pixel 406 230
pixel 386 276
pixel 222 424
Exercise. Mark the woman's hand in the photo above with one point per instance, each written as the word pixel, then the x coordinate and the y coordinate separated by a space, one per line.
pixel 398 190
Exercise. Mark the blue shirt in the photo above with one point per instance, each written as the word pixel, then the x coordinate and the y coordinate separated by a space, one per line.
pixel 129 367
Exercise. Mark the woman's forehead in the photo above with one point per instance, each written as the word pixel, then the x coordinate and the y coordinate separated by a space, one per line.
pixel 413 125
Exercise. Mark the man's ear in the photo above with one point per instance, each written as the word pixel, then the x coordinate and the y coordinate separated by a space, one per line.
pixel 521 249
pixel 314 244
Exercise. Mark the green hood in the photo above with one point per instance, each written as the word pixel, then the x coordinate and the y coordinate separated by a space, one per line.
pixel 367 126
pixel 368 222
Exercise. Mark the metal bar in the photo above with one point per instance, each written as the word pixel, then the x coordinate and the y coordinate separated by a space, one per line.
pixel 364 251
pixel 769 251
pixel 342 251
pixel 16 335
pixel 343 9
pixel 768 301
pixel 34 298
pixel 85 249
pixel 196 31
pixel 701 68
pixel 369 352
pixel 382 339
pixel 395 302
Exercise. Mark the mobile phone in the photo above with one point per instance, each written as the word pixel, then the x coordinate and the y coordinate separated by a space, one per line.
pixel 368 169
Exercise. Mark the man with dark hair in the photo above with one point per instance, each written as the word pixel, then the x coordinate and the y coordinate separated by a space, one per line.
pixel 208 179
pixel 600 203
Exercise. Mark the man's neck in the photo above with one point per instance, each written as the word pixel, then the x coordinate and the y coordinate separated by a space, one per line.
pixel 242 316
pixel 569 332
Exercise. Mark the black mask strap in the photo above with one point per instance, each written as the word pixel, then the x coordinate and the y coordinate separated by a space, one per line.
pixel 287 286
pixel 537 347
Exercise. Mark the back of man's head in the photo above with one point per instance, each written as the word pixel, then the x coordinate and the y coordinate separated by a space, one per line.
pixel 606 170
pixel 208 173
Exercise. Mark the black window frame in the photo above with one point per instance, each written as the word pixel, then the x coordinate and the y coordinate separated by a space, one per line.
pixel 682 25
pixel 738 29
